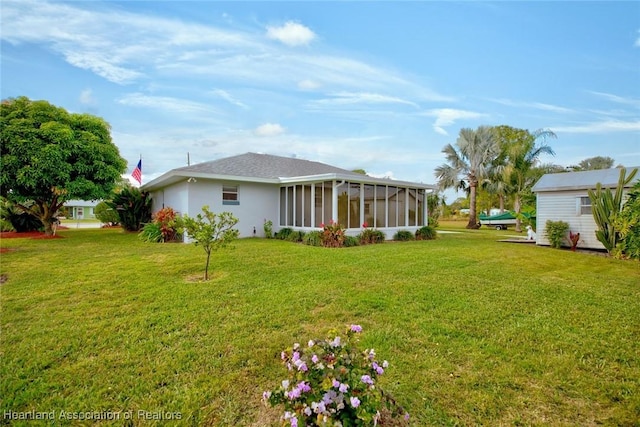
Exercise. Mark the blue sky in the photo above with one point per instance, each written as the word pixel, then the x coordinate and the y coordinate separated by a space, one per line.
pixel 381 86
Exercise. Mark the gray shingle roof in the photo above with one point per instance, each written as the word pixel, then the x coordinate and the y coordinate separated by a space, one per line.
pixel 263 166
pixel 583 180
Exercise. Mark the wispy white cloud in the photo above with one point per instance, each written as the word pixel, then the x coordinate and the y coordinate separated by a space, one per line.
pixel 118 46
pixel 308 85
pixel 86 97
pixel 617 99
pixel 230 99
pixel 600 127
pixel 535 105
pixel 291 34
pixel 348 98
pixel 269 129
pixel 448 116
pixel 165 103
pixel 637 43
pixel 125 48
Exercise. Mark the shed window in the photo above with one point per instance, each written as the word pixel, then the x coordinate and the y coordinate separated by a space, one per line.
pixel 230 195
pixel 585 206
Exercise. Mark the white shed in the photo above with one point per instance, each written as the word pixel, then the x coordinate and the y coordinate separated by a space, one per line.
pixel 564 197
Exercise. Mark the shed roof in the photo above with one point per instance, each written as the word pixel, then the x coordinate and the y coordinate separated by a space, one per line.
pixel 583 180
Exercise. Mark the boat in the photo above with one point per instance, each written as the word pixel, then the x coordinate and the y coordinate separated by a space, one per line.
pixel 501 221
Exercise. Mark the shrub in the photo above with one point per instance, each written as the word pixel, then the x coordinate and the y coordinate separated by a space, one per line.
pixel 106 214
pixel 370 236
pixel 350 241
pixel 283 233
pixel 268 229
pixel 133 207
pixel 403 236
pixel 426 233
pixel 5 224
pixel 434 206
pixel 331 382
pixel 150 233
pixel 313 238
pixel 295 236
pixel 332 235
pixel 628 223
pixel 164 227
pixel 166 220
pixel 18 219
pixel 556 232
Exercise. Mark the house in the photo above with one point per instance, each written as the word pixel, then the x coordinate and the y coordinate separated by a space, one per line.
pixel 80 209
pixel 291 192
pixel 564 197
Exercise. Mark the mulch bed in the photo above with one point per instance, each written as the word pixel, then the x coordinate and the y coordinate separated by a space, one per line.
pixel 25 235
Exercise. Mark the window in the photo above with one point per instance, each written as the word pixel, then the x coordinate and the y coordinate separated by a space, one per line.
pixel 585 206
pixel 230 195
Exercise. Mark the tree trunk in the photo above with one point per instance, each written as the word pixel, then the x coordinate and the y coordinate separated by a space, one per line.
pixel 501 198
pixel 206 267
pixel 473 217
pixel 516 208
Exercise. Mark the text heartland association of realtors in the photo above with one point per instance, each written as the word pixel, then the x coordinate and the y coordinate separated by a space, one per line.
pixel 91 415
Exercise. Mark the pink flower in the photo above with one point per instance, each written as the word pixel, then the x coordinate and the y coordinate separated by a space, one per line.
pixel 356 328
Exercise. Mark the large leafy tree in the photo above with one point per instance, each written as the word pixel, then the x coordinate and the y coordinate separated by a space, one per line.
pixel 469 163
pixel 519 155
pixel 49 156
pixel 593 163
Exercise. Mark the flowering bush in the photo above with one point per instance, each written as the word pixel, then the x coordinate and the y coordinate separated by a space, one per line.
pixel 332 235
pixel 164 227
pixel 370 235
pixel 165 218
pixel 331 383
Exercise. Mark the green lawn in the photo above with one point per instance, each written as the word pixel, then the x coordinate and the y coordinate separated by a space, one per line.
pixel 476 331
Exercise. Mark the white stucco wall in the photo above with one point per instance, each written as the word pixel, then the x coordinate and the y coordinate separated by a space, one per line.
pixel 257 202
pixel 564 206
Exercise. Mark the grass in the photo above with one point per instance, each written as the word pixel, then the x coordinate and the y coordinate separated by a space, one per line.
pixel 476 331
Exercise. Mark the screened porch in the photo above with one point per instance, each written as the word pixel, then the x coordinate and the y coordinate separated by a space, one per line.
pixel 352 204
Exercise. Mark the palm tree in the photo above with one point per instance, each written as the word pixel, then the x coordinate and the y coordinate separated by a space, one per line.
pixel 521 154
pixel 469 164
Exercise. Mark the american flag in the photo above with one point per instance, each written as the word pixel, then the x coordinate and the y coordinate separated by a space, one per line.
pixel 137 172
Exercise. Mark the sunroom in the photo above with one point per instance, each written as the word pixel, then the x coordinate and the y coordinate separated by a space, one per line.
pixel 379 203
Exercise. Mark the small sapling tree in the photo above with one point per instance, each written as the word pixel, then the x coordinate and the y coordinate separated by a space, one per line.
pixel 211 231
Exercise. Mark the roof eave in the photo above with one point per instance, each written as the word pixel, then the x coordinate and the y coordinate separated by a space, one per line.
pixel 349 177
pixel 173 177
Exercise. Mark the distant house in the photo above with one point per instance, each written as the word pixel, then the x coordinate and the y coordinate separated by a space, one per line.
pixel 564 197
pixel 291 192
pixel 81 209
